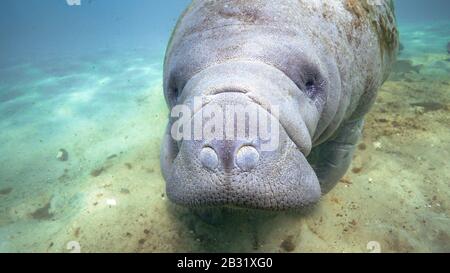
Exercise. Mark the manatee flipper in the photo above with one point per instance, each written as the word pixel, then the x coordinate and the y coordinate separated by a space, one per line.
pixel 331 159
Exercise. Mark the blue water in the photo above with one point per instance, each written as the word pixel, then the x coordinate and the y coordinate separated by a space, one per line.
pixel 32 29
pixel 417 11
pixel 88 79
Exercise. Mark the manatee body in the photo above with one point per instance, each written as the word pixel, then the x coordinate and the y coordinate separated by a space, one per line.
pixel 320 61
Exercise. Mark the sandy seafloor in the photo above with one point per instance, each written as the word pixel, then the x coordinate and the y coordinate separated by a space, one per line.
pixel 107 111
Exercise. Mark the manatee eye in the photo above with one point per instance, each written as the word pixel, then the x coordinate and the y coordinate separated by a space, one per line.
pixel 313 83
pixel 174 93
pixel 173 89
pixel 312 88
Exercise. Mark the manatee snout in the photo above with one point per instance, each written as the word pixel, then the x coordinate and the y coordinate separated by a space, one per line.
pixel 250 158
pixel 230 154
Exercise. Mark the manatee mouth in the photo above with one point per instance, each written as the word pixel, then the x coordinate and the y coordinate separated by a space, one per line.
pixel 239 173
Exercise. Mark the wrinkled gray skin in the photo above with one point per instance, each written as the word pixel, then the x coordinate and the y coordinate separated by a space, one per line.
pixel 321 61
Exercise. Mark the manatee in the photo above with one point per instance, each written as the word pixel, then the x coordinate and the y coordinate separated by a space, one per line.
pixel 320 62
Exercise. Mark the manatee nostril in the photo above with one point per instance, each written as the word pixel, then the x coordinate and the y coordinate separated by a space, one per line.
pixel 209 158
pixel 247 158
